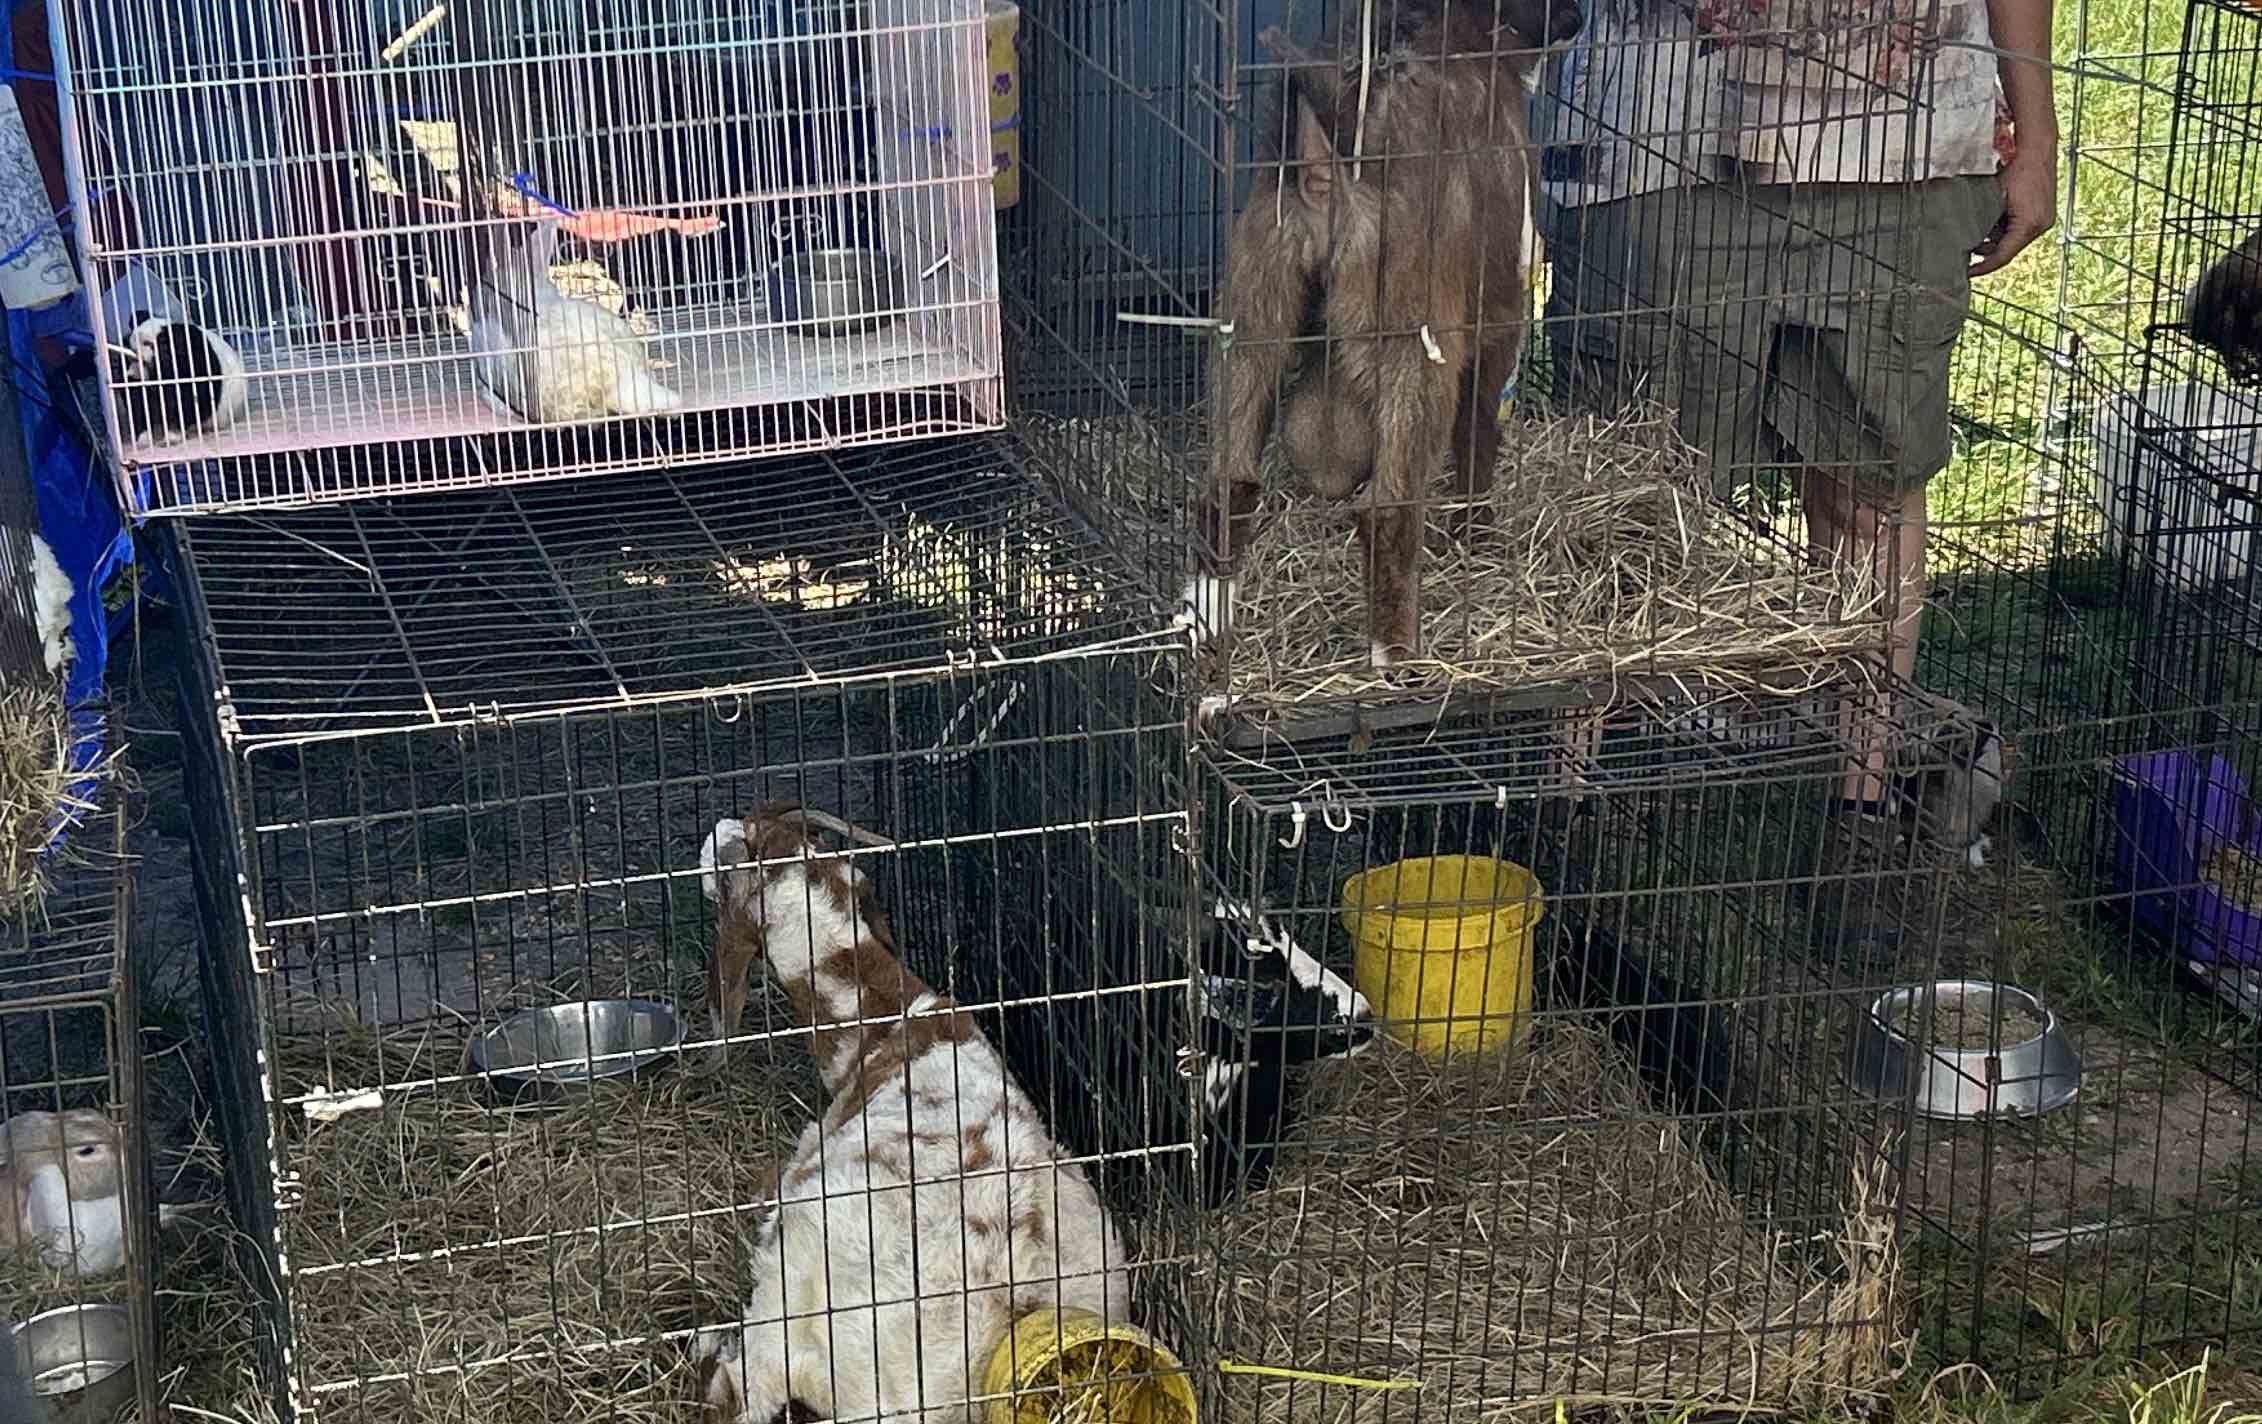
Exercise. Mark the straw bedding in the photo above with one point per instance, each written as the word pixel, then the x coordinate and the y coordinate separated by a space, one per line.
pixel 1508 1250
pixel 643 1183
pixel 35 780
pixel 1607 561
pixel 1532 1232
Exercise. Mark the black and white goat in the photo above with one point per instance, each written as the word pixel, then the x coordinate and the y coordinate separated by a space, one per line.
pixel 1267 1005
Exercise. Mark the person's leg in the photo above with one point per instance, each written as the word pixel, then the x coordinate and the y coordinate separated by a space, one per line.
pixel 1885 534
pixel 1671 297
pixel 1862 396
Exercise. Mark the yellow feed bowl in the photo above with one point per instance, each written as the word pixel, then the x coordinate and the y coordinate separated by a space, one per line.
pixel 1444 950
pixel 1071 1367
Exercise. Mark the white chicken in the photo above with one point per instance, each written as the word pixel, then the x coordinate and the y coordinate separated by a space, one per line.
pixel 542 356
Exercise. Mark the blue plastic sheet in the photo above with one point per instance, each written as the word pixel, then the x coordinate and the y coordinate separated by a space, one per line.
pixel 78 515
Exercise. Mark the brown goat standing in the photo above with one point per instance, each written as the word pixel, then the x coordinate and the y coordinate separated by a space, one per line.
pixel 1407 258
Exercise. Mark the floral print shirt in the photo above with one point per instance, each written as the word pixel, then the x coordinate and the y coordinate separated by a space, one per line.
pixel 1655 93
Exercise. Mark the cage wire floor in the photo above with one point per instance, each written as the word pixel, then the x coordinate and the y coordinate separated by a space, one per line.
pixel 443 608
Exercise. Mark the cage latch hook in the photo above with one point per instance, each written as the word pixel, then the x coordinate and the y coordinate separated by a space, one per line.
pixel 1335 815
pixel 1191 1061
pixel 737 704
pixel 1295 836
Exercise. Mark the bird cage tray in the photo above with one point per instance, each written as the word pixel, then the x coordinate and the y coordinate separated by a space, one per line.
pixel 312 397
pixel 355 252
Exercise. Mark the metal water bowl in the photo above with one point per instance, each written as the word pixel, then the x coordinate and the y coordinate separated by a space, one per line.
pixel 834 291
pixel 1978 1073
pixel 575 1045
pixel 78 1360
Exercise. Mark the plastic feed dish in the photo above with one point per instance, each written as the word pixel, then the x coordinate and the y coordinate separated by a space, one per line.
pixel 1072 1367
pixel 1444 950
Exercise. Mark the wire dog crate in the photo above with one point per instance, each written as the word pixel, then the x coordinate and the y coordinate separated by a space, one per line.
pixel 2178 454
pixel 78 1279
pixel 482 789
pixel 1649 1077
pixel 775 233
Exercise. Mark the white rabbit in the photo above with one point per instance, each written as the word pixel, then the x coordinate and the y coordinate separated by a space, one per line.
pixel 65 1177
pixel 541 355
pixel 872 1299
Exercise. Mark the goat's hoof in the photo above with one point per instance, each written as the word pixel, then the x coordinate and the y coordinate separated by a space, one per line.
pixel 1205 608
pixel 1382 656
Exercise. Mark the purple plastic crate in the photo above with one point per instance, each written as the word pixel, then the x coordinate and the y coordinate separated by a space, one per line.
pixel 2171 813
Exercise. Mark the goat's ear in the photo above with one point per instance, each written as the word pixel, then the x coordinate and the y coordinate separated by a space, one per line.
pixel 724 847
pixel 1314 155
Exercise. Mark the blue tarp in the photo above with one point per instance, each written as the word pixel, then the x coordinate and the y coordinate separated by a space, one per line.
pixel 78 515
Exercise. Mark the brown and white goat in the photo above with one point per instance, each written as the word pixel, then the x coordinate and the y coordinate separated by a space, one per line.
pixel 1392 226
pixel 928 1208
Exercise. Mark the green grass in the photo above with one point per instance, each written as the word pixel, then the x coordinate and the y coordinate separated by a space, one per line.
pixel 2101 275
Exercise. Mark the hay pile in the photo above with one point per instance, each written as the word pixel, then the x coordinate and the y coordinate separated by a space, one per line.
pixel 35 784
pixel 1607 561
pixel 460 1304
pixel 1476 1229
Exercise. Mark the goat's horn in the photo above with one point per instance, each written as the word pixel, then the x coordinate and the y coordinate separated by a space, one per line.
pixel 841 828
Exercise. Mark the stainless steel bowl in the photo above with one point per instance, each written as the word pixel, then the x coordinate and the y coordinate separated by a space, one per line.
pixel 2039 1072
pixel 835 291
pixel 573 1045
pixel 79 1360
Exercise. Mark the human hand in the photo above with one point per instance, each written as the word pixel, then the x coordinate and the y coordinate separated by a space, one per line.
pixel 2030 207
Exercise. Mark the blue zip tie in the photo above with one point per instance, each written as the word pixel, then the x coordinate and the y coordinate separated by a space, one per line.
pixel 526 189
pixel 37 76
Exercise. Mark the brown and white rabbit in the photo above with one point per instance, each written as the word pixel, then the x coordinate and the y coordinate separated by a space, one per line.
pixel 64 1183
pixel 872 1299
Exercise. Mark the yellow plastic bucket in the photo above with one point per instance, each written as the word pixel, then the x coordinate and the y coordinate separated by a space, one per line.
pixel 1002 26
pixel 1444 950
pixel 1034 1371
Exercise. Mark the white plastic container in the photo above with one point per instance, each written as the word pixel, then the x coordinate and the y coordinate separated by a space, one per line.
pixel 2168 483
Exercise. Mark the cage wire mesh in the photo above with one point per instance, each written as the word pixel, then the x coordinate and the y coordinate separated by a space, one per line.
pixel 36 738
pixel 76 1274
pixel 2025 619
pixel 2177 453
pixel 24 654
pixel 464 749
pixel 1656 1189
pixel 405 849
pixel 1127 330
pixel 411 247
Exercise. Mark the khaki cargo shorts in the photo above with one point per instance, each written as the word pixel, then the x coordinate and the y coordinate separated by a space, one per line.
pixel 1794 327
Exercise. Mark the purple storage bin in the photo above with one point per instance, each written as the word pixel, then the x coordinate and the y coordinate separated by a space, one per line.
pixel 2170 814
